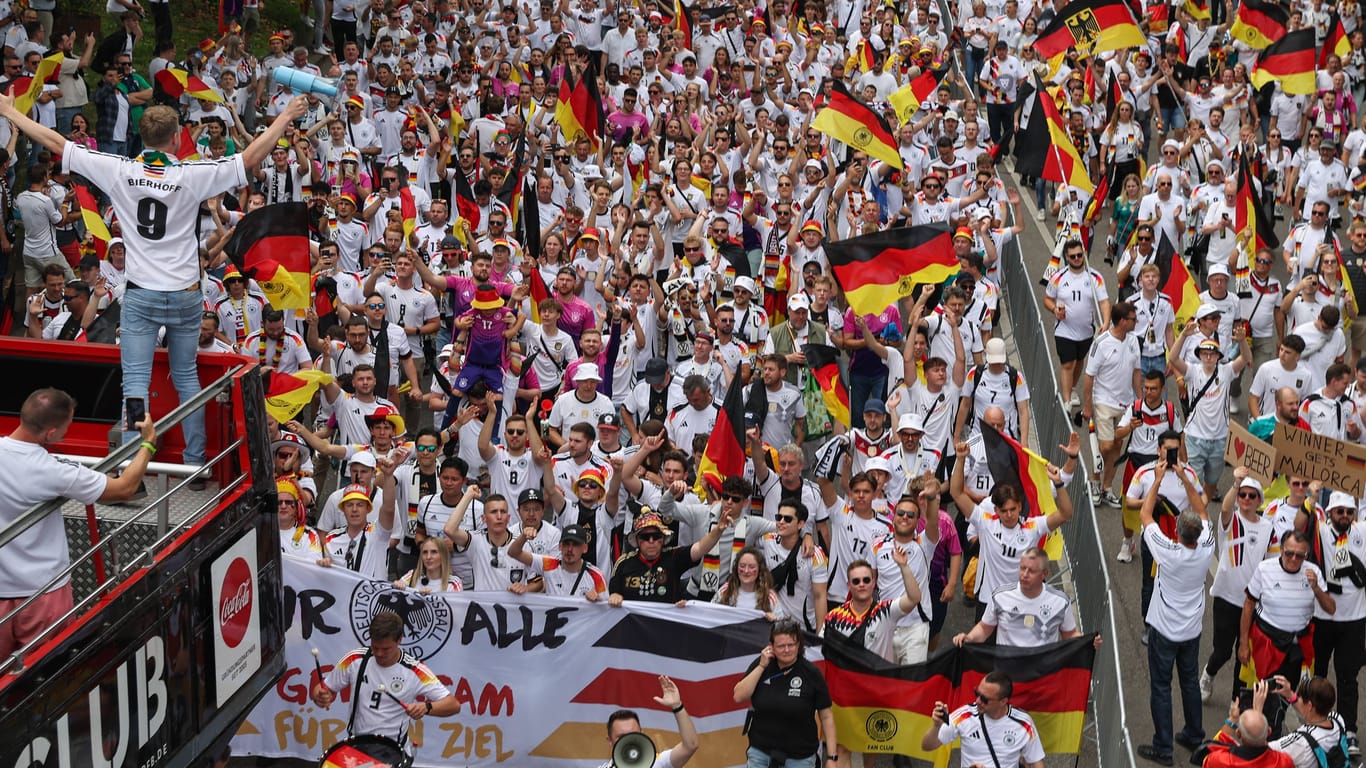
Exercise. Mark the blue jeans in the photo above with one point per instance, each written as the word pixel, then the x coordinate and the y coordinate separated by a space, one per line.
pixel 1185 655
pixel 863 388
pixel 1206 457
pixel 1173 119
pixel 756 759
pixel 144 313
pixel 1154 363
pixel 112 147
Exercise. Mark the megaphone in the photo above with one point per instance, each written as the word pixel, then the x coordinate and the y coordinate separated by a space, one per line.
pixel 303 82
pixel 634 750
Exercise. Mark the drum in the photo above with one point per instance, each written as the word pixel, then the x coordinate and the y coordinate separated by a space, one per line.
pixel 366 751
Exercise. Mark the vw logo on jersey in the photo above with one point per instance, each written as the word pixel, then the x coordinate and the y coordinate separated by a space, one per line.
pixel 427 619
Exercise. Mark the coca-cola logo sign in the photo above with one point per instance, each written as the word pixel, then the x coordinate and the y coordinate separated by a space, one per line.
pixel 235 602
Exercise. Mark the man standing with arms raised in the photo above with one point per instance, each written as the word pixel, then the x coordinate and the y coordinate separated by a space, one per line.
pixel 157 199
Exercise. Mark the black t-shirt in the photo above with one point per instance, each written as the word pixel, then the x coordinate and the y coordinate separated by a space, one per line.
pixel 658 582
pixel 1183 75
pixel 785 703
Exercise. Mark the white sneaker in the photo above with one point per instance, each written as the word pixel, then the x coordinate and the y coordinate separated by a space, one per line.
pixel 308 21
pixel 1232 407
pixel 323 50
pixel 1075 402
pixel 1206 686
pixel 1126 554
pixel 1038 215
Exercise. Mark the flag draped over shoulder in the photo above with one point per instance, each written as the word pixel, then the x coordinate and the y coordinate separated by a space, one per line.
pixel 538 291
pixel 290 392
pixel 883 708
pixel 1290 61
pixel 1259 23
pixel 1090 26
pixel 270 246
pixel 878 269
pixel 856 124
pixel 1176 281
pixel 724 455
pixel 821 361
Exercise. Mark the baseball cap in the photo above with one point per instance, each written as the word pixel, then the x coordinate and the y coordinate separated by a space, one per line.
pixel 877 463
pixel 609 420
pixel 1253 483
pixel 656 370
pixel 356 492
pixel 575 533
pixel 364 458
pixel 529 495
pixel 1208 345
pixel 587 372
pixel 1219 268
pixel 798 301
pixel 1206 310
pixel 875 405
pixel 287 440
pixel 450 243
pixel 995 351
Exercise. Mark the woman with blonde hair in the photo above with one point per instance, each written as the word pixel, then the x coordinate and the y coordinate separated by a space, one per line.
pixel 433 572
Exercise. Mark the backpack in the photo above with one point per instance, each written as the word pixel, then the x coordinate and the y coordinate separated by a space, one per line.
pixel 978 371
pixel 1335 757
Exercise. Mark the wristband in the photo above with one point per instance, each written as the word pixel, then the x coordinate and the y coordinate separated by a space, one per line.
pixel 828 758
pixel 678 709
pixel 1294 697
pixel 429 707
pixel 1230 724
pixel 151 449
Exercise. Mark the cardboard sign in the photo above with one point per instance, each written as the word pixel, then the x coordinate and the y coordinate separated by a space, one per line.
pixel 1245 450
pixel 1337 464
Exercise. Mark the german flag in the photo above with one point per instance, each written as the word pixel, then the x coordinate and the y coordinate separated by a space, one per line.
pixel 270 246
pixel 579 109
pixel 538 290
pixel 854 123
pixel 703 184
pixel 464 200
pixel 186 150
pixel 821 361
pixel 1250 216
pixel 1063 163
pixel 1007 459
pixel 1259 23
pixel 178 82
pixel 288 393
pixel 724 455
pixel 683 23
pixel 1336 42
pixel 1159 17
pixel 863 56
pixel 93 221
pixel 1091 26
pixel 26 90
pixel 907 99
pixel 1050 683
pixel 1176 281
pixel 878 269
pixel 1290 61
pixel 407 208
pixel 880 707
pixel 1198 9
pixel 1177 37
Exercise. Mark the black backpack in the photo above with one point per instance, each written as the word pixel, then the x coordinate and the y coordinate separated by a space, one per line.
pixel 1335 757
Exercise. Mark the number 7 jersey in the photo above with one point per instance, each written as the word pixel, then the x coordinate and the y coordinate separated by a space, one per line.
pixel 157 202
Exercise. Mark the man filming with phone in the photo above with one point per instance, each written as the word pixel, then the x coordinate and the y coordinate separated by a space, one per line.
pixel 39 556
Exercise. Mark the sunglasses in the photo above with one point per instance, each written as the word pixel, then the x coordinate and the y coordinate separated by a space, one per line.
pixel 982 697
pixel 1147 239
pixel 286 502
pixel 426 448
pixel 655 536
pixel 520 432
pixel 906 513
pixel 1249 495
pixel 375 306
pixel 1264 261
pixel 785 518
pixel 861 580
pixel 1295 555
pixel 586 483
pixel 733 497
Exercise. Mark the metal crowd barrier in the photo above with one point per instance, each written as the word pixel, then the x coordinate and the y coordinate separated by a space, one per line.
pixel 1108 724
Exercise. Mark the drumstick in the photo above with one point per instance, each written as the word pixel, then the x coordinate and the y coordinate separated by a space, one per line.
pixel 318 666
pixel 397 701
